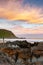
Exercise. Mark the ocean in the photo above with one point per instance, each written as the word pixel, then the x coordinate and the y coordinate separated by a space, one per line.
pixel 29 40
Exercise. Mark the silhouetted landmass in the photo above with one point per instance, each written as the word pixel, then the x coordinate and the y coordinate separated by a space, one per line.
pixel 6 34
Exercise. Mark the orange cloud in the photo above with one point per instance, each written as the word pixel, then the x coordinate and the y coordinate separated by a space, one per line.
pixel 13 10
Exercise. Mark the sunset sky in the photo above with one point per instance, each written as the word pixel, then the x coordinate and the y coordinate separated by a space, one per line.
pixel 22 16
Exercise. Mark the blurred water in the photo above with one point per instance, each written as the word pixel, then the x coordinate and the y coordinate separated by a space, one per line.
pixel 29 40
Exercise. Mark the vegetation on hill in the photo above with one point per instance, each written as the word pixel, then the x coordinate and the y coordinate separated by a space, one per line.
pixel 6 34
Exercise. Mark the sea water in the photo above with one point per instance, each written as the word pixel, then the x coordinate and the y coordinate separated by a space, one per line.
pixel 28 40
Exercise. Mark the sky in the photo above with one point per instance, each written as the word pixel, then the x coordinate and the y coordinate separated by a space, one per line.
pixel 22 16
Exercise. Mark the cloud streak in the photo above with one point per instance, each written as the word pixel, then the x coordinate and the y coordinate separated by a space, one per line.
pixel 21 27
pixel 14 10
pixel 37 30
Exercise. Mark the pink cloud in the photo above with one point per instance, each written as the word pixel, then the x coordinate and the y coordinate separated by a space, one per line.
pixel 21 30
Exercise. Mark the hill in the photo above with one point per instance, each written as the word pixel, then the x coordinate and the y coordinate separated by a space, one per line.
pixel 6 34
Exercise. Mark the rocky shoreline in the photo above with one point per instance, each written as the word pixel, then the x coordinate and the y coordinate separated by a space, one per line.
pixel 21 53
